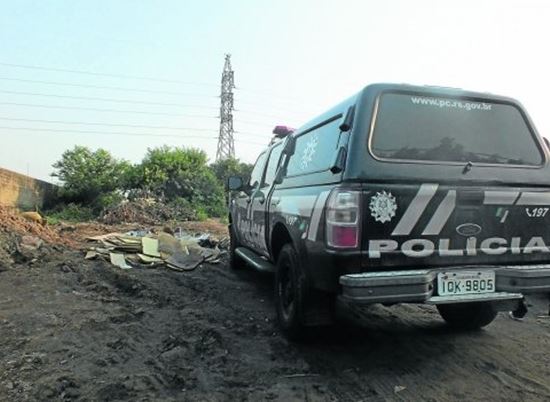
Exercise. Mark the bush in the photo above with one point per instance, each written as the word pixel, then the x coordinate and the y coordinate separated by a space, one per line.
pixel 169 171
pixel 183 209
pixel 201 214
pixel 107 200
pixel 94 182
pixel 70 213
pixel 182 173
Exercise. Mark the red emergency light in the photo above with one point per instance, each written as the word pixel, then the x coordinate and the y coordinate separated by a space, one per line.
pixel 282 131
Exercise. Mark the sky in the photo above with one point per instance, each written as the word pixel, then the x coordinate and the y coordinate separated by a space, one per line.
pixel 130 75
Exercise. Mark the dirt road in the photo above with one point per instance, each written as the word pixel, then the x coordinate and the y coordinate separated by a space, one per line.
pixel 80 330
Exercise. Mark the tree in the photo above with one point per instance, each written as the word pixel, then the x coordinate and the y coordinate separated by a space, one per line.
pixel 230 167
pixel 87 174
pixel 175 172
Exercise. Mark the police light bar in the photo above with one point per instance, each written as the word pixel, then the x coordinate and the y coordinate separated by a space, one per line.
pixel 282 131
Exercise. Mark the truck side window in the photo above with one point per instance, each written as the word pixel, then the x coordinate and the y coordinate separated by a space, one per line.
pixel 315 149
pixel 273 164
pixel 257 172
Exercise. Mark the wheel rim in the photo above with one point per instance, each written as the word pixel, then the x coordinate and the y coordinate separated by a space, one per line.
pixel 287 292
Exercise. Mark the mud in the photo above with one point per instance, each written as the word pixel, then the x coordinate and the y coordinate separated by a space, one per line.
pixel 72 329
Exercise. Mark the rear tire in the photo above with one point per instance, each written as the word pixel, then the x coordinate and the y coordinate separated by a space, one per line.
pixel 290 293
pixel 467 315
pixel 235 262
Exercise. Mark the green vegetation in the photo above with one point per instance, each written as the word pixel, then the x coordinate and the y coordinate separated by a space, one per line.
pixel 88 174
pixel 71 213
pixel 230 167
pixel 93 181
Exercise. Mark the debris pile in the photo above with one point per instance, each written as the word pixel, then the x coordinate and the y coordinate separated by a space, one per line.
pixel 25 237
pixel 146 211
pixel 179 252
pixel 23 224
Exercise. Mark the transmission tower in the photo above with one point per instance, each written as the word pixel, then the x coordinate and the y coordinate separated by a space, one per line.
pixel 226 145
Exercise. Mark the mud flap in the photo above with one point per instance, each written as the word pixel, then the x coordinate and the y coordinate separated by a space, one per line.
pixel 520 310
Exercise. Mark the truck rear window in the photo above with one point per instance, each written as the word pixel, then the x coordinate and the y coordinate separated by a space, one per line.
pixel 425 128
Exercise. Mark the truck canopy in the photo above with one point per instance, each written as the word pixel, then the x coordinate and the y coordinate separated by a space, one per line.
pixel 412 133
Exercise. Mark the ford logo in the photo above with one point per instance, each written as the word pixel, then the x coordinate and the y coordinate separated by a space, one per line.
pixel 468 229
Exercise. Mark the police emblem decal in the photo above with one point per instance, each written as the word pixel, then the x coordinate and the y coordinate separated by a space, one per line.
pixel 309 152
pixel 382 206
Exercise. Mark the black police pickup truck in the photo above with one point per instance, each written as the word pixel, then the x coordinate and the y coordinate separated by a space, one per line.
pixel 400 194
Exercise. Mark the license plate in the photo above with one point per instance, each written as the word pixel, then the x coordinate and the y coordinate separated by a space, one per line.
pixel 465 282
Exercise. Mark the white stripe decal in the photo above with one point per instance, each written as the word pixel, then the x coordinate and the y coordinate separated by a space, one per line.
pixel 503 219
pixel 316 215
pixel 441 215
pixel 500 197
pixel 415 210
pixel 534 199
pixel 300 205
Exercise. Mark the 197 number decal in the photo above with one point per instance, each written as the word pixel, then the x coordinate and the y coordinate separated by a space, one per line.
pixel 536 212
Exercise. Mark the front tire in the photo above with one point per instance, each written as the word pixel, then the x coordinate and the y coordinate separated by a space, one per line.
pixel 467 315
pixel 290 293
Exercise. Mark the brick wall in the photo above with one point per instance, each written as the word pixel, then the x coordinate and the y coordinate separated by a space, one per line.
pixel 26 193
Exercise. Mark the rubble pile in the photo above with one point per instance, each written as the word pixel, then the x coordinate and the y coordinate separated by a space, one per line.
pixel 146 211
pixel 14 222
pixel 179 252
pixel 24 236
pixel 8 247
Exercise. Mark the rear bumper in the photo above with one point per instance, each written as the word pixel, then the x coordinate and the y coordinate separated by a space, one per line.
pixel 419 286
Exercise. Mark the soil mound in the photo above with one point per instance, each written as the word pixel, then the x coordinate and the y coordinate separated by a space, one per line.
pixel 13 223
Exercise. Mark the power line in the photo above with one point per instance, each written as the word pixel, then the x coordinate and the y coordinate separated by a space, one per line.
pixel 142 78
pixel 263 144
pixel 255 113
pixel 271 107
pixel 132 77
pixel 55 130
pixel 136 102
pixel 254 123
pixel 84 123
pixel 105 99
pixel 123 89
pixel 152 91
pixel 253 134
pixel 278 117
pixel 105 110
pixel 141 90
pixel 264 93
pixel 118 133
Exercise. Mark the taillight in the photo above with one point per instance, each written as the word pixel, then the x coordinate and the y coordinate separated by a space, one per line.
pixel 343 210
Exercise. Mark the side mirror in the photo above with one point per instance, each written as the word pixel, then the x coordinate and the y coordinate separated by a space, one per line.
pixel 235 183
